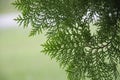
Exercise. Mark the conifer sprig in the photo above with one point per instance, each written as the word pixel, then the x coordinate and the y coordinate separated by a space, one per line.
pixel 83 54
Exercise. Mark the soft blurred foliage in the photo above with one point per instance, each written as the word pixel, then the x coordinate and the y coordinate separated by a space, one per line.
pixel 5 6
pixel 20 56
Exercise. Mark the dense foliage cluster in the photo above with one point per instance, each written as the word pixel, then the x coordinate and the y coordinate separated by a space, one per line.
pixel 84 54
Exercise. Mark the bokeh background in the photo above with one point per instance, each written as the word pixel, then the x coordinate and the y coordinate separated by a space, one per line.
pixel 20 56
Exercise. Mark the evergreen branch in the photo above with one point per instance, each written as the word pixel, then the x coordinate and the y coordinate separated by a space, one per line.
pixel 22 20
pixel 35 30
pixel 69 38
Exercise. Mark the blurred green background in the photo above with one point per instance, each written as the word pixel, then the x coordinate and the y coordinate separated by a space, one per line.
pixel 20 56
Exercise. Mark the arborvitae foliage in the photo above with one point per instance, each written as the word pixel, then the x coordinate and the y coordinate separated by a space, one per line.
pixel 84 54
